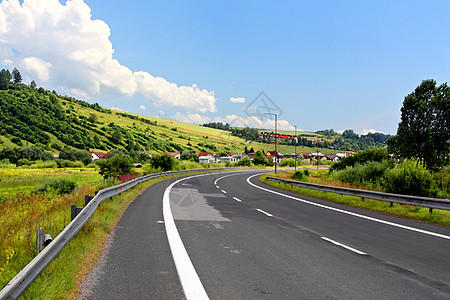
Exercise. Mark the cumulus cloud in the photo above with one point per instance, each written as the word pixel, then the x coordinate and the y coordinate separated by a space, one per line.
pixel 142 107
pixel 252 121
pixel 62 47
pixel 237 100
pixel 191 118
pixel 366 131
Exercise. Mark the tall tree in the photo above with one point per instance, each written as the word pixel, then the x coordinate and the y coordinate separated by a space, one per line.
pixel 424 129
pixel 5 78
pixel 17 78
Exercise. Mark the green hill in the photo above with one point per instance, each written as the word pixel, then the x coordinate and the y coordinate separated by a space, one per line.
pixel 31 116
pixel 43 118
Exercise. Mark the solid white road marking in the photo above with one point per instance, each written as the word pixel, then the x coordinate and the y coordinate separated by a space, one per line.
pixel 264 212
pixel 238 200
pixel 344 246
pixel 215 181
pixel 223 191
pixel 350 213
pixel 192 286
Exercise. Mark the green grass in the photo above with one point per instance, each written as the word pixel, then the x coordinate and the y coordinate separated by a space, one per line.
pixel 440 217
pixel 23 181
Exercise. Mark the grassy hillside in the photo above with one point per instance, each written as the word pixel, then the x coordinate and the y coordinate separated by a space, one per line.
pixel 43 118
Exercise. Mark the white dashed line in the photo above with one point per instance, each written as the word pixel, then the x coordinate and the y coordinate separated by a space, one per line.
pixel 264 212
pixel 238 200
pixel 344 246
pixel 223 191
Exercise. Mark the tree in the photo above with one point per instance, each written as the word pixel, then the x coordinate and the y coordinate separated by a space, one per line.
pixel 424 129
pixel 5 78
pixel 117 136
pixel 17 78
pixel 164 162
pixel 115 166
pixel 33 84
pixel 93 118
pixel 259 159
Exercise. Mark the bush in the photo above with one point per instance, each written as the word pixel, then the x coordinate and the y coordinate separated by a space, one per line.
pixel 63 163
pixel 244 161
pixel 115 166
pixel 287 162
pixel 164 162
pixel 410 177
pixel 369 173
pixel 372 154
pixel 58 186
pixel 301 175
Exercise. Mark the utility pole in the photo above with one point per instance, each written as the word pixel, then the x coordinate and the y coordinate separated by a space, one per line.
pixel 295 147
pixel 276 140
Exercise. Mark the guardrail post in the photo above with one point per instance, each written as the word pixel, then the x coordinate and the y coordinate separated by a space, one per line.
pixel 362 198
pixel 74 211
pixel 87 199
pixel 39 240
pixel 430 210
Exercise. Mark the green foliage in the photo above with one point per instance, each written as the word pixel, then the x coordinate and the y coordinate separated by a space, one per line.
pixel 93 118
pixel 16 76
pixel 361 157
pixel 301 175
pixel 410 177
pixel 76 155
pixel 259 158
pixel 163 162
pixel 369 173
pixel 244 161
pixel 115 166
pixel 285 162
pixel 5 78
pixel 424 129
pixel 58 186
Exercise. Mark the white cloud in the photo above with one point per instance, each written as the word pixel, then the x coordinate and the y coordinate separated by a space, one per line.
pixel 63 48
pixel 252 121
pixel 142 107
pixel 237 100
pixel 366 131
pixel 191 118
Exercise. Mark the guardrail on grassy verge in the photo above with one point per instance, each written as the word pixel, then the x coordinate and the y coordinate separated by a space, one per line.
pixel 392 198
pixel 28 274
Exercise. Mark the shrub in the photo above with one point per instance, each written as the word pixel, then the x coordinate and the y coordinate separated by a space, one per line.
pixel 410 177
pixel 115 166
pixel 164 162
pixel 59 186
pixel 301 175
pixel 244 161
pixel 372 154
pixel 63 163
pixel 369 173
pixel 287 162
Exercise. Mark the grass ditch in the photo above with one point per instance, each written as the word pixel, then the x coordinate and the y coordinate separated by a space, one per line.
pixel 438 217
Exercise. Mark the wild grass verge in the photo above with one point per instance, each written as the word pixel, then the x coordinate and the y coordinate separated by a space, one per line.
pixel 439 217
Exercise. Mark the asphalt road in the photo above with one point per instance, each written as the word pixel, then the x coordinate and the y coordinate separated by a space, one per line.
pixel 222 237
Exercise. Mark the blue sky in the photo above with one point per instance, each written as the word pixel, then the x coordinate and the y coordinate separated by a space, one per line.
pixel 327 64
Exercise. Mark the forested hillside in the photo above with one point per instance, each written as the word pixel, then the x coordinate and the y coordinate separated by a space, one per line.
pixel 35 116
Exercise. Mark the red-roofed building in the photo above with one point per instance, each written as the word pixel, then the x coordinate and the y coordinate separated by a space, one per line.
pixel 98 155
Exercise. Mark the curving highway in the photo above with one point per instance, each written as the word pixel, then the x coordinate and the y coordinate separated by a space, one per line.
pixel 228 236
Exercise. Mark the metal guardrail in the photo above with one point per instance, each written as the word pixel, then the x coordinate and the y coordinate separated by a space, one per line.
pixel 28 274
pixel 392 198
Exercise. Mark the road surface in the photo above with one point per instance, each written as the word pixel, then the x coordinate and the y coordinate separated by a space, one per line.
pixel 228 236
